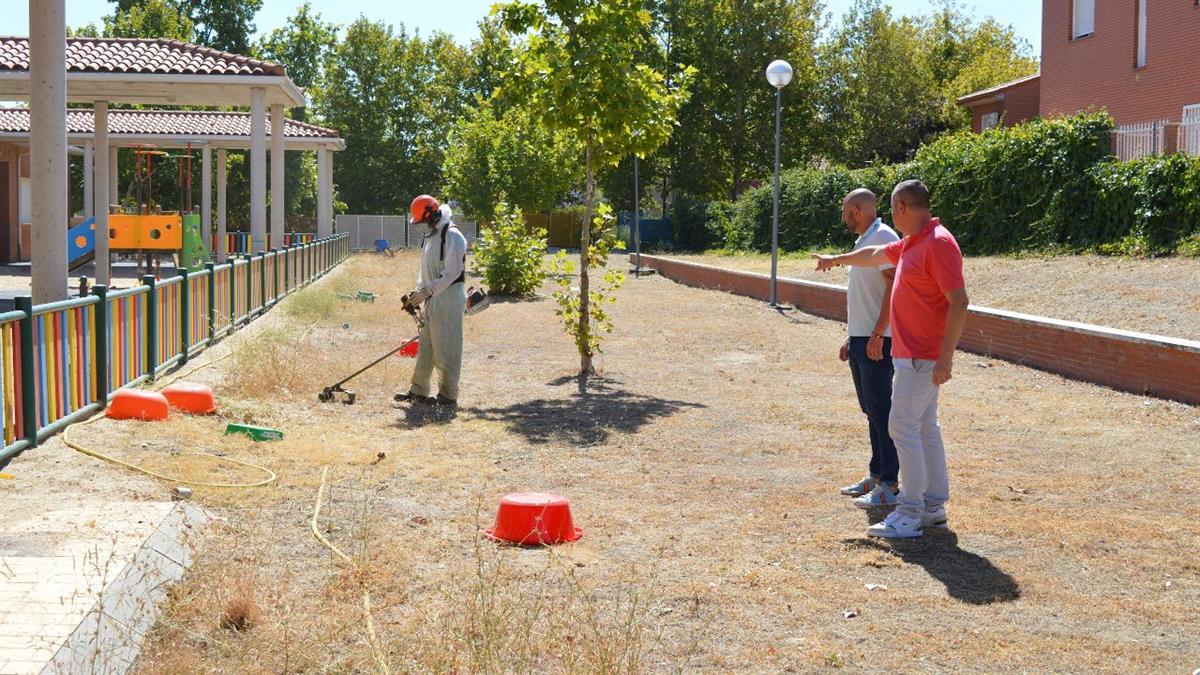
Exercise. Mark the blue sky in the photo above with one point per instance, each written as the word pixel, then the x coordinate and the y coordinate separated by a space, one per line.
pixel 458 17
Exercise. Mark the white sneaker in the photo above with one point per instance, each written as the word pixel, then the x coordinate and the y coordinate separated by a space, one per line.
pixel 882 495
pixel 860 488
pixel 934 518
pixel 896 526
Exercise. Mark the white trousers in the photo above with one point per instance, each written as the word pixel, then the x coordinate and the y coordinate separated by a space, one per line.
pixel 441 343
pixel 913 425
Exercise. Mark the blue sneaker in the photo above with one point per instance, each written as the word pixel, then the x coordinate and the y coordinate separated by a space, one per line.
pixel 860 488
pixel 882 495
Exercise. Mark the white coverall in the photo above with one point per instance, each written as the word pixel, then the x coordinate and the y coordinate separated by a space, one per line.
pixel 441 338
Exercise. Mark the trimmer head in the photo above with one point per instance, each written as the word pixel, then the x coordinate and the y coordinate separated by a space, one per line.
pixel 329 394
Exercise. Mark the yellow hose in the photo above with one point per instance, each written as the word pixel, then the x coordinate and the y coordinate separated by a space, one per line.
pixel 376 651
pixel 107 458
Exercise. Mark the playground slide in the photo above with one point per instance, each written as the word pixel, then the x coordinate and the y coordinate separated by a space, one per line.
pixel 81 244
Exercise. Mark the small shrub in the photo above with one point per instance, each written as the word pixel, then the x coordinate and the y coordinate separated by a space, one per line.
pixel 509 256
pixel 1190 246
pixel 602 292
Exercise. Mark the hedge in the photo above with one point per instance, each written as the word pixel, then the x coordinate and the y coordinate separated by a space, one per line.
pixel 1041 185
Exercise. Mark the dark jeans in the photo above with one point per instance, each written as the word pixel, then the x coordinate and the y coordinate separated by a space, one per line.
pixel 873 382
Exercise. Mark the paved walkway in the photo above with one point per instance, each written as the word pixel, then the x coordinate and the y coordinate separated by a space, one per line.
pixel 83 563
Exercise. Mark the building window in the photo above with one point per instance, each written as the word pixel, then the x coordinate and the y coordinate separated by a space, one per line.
pixel 1083 18
pixel 1141 34
pixel 989 120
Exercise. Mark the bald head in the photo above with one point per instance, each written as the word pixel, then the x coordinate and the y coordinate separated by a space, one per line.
pixel 910 206
pixel 858 210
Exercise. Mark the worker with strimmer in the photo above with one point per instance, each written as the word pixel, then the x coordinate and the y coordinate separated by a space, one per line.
pixel 440 286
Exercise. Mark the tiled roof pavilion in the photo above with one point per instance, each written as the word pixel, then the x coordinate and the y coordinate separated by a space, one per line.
pixel 172 127
pixel 151 71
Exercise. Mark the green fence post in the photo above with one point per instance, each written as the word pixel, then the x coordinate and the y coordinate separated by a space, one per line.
pixel 287 270
pixel 100 336
pixel 29 376
pixel 151 326
pixel 274 276
pixel 262 281
pixel 212 302
pixel 185 323
pixel 232 294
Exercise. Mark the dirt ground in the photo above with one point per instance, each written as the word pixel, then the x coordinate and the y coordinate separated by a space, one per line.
pixel 703 466
pixel 1160 296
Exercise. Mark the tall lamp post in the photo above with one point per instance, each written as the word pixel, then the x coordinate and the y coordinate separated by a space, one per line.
pixel 637 225
pixel 779 73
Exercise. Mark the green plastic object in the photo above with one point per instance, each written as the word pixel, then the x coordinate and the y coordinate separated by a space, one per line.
pixel 195 252
pixel 257 433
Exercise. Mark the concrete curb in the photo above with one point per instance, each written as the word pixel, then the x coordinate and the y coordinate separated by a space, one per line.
pixel 1139 363
pixel 110 636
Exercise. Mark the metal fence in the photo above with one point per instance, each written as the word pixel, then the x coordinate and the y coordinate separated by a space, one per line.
pixel 364 230
pixel 1134 141
pixel 60 361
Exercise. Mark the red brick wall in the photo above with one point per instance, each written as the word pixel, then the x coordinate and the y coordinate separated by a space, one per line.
pixel 1097 71
pixel 1133 362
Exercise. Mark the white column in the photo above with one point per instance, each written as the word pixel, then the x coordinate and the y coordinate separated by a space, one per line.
pixel 48 148
pixel 328 191
pixel 114 175
pixel 222 241
pixel 206 196
pixel 89 197
pixel 105 185
pixel 323 229
pixel 278 205
pixel 258 170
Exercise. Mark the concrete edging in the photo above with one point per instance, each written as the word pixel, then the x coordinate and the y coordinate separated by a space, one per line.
pixel 1139 363
pixel 109 638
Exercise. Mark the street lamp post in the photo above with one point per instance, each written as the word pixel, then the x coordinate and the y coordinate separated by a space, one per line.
pixel 637 225
pixel 779 73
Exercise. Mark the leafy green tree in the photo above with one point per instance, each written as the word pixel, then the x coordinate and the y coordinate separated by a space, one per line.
pixel 580 72
pixel 302 45
pixel 394 97
pixel 880 100
pixel 150 18
pixel 227 25
pixel 492 155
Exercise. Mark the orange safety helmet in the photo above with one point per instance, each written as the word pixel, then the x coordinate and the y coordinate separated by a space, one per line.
pixel 423 208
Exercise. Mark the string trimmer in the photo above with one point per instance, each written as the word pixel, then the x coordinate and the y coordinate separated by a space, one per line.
pixel 477 300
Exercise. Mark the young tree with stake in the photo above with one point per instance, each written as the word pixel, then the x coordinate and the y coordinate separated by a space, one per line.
pixel 580 71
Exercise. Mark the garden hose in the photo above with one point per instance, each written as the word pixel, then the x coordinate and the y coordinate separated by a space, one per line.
pixel 172 479
pixel 372 638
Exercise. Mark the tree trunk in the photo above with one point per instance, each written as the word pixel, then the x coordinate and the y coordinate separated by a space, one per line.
pixel 585 240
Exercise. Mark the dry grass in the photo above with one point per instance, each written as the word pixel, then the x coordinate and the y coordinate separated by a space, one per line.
pixel 702 466
pixel 1160 295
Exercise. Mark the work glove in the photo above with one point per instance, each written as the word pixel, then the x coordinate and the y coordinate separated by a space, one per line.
pixel 418 295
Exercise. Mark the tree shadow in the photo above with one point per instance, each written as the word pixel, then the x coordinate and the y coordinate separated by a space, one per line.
pixel 968 577
pixel 587 417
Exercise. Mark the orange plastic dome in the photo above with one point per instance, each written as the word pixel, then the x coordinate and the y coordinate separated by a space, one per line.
pixel 191 397
pixel 136 404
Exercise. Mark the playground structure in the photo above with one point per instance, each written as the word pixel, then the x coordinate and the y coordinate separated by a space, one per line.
pixel 148 232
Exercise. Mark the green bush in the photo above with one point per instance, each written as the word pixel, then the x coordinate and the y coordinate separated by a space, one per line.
pixel 689 225
pixel 1042 185
pixel 509 256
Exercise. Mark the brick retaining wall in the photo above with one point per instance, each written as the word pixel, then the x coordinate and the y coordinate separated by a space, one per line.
pixel 1135 362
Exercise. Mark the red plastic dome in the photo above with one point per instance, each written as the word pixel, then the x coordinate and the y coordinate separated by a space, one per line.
pixel 137 404
pixel 191 397
pixel 534 519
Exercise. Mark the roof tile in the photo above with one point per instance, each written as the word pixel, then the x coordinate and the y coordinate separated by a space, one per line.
pixel 196 123
pixel 138 55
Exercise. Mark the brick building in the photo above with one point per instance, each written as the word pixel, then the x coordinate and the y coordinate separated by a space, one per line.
pixel 1004 105
pixel 1134 58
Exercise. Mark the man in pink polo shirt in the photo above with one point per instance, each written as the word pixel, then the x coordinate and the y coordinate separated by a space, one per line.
pixel 928 311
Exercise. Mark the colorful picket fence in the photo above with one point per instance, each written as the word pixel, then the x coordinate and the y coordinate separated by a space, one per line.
pixel 238 243
pixel 60 361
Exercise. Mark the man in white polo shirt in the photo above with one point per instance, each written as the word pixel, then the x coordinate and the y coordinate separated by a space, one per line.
pixel 868 348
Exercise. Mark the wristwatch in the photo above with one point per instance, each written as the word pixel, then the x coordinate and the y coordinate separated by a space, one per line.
pixel 876 335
